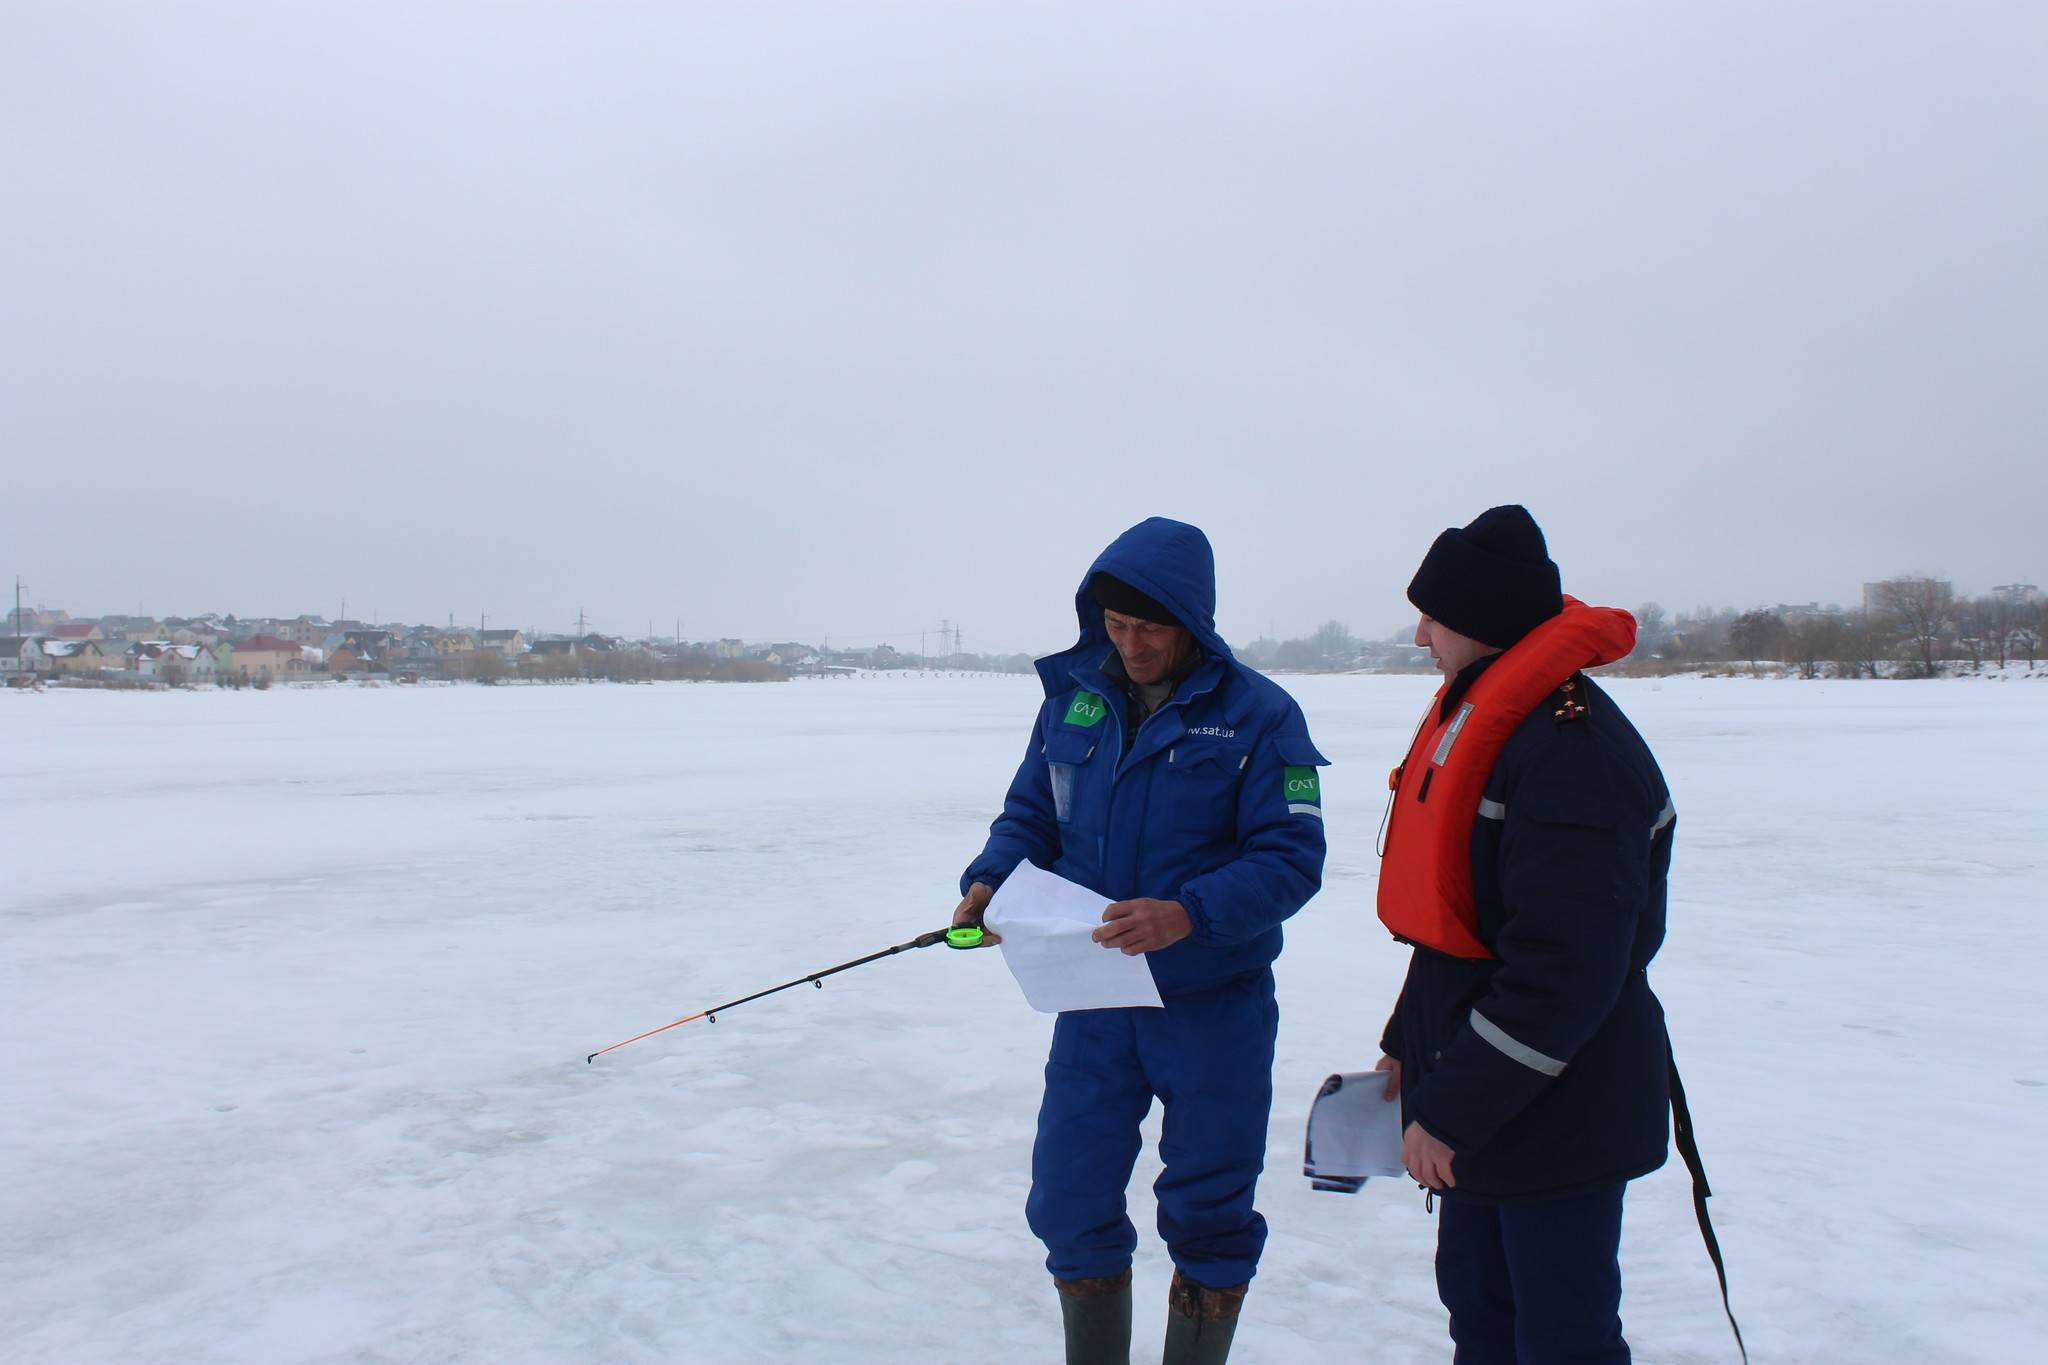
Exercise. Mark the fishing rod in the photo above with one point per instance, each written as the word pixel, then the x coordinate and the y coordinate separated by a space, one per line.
pixel 959 936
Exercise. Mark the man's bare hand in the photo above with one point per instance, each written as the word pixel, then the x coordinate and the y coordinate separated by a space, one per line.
pixel 1392 1066
pixel 1428 1160
pixel 970 911
pixel 1143 926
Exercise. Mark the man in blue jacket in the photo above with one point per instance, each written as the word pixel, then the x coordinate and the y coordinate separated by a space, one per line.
pixel 1182 786
pixel 1533 1080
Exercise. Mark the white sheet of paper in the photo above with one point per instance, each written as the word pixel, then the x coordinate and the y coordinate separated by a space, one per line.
pixel 1354 1131
pixel 1045 922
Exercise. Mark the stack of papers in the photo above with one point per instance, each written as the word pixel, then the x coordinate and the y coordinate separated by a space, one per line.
pixel 1354 1132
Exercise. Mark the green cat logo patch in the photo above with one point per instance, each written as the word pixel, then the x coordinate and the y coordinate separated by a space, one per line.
pixel 1087 709
pixel 1303 786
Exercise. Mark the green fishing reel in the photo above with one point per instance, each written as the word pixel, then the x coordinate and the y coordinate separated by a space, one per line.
pixel 964 936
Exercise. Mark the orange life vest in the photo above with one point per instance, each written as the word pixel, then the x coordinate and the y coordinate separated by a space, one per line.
pixel 1426 868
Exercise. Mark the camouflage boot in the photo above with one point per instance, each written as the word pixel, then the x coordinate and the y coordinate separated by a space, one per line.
pixel 1097 1317
pixel 1200 1321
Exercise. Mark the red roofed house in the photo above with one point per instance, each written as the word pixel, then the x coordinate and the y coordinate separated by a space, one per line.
pixel 77 630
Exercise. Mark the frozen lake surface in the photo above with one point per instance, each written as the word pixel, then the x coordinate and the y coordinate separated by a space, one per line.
pixel 298 987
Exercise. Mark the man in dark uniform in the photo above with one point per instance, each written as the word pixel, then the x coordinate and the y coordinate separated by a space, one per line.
pixel 1528 1049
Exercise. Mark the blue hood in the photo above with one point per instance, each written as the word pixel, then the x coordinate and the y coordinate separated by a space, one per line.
pixel 1167 560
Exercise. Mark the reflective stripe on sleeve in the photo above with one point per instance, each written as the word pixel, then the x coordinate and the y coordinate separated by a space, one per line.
pixel 1304 808
pixel 1492 810
pixel 1669 813
pixel 1520 1052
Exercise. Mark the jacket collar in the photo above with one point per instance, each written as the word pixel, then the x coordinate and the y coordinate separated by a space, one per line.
pixel 1462 684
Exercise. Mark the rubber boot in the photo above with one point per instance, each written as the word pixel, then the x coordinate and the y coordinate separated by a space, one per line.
pixel 1097 1317
pixel 1200 1321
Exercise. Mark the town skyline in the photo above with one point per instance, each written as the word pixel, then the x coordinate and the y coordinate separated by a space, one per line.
pixel 1903 626
pixel 945 636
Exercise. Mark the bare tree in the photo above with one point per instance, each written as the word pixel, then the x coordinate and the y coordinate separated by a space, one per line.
pixel 1918 609
pixel 1811 640
pixel 1756 634
pixel 2028 635
pixel 1333 643
pixel 2001 618
pixel 1860 646
pixel 1653 630
pixel 1294 654
pixel 1701 635
pixel 1974 628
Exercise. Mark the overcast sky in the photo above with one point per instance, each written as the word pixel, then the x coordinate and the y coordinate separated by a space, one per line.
pixel 790 320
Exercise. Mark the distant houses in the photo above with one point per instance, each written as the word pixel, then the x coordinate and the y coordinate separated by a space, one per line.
pixel 236 651
pixel 172 663
pixel 344 659
pixel 303 630
pixel 74 655
pixel 579 647
pixel 22 656
pixel 271 658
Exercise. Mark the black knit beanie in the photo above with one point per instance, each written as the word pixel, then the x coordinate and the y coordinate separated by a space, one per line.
pixel 1113 594
pixel 1493 580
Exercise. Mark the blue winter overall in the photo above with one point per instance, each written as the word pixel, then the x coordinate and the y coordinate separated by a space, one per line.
pixel 1213 800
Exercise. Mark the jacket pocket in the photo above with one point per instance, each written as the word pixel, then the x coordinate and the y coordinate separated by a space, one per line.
pixel 1201 789
pixel 1066 752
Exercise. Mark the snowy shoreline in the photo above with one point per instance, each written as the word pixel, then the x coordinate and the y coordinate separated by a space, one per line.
pixel 1767 672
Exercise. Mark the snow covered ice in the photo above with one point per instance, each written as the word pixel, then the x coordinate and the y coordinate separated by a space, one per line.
pixel 299 985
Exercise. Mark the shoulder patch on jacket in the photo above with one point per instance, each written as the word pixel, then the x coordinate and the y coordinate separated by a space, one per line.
pixel 1304 791
pixel 1087 708
pixel 1568 703
pixel 1301 784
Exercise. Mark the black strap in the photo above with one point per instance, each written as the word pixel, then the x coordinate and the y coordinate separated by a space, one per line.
pixel 1689 1151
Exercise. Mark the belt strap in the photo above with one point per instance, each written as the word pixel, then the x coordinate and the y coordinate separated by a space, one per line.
pixel 1689 1151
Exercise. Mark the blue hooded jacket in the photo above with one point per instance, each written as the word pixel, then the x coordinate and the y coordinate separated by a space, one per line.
pixel 1215 802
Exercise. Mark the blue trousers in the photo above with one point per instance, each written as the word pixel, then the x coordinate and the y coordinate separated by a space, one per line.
pixel 1208 1057
pixel 1535 1283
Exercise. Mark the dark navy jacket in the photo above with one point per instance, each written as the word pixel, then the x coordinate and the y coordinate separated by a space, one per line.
pixel 1544 1068
pixel 1215 801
